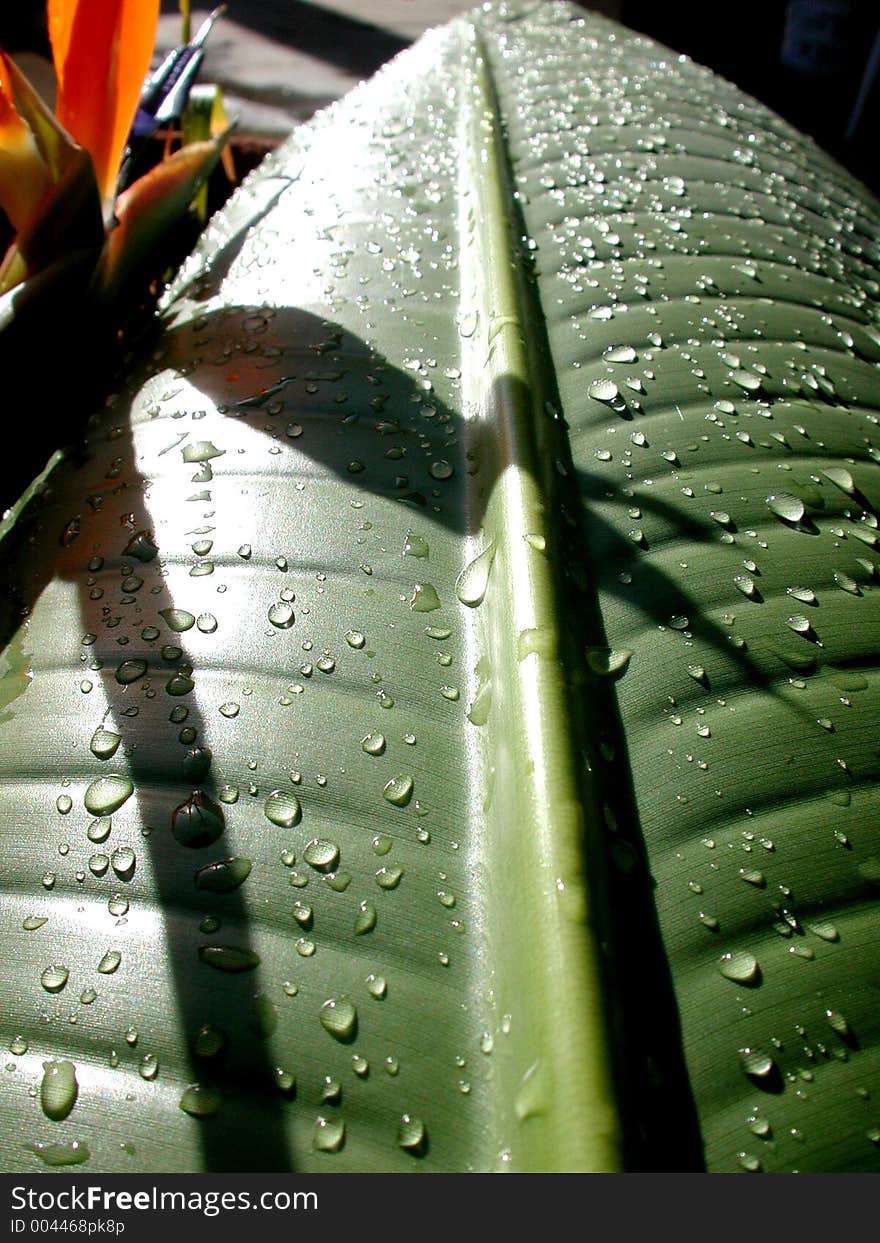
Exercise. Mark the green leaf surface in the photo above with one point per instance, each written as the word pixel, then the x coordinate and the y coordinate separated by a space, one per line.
pixel 406 744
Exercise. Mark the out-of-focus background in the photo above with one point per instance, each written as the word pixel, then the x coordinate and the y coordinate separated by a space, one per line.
pixel 815 61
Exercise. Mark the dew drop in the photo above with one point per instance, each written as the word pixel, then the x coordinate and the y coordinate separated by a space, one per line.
pixel 283 808
pixel 59 1089
pixel 339 1018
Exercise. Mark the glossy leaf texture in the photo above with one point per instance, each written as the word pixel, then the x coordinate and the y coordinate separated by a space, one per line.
pixel 439 694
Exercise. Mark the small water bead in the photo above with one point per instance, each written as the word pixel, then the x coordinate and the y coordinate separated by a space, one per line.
pixel 360 1066
pixel 323 856
pixel 148 1067
pixel 104 743
pixel 337 881
pixel 377 986
pixel 739 966
pixel 424 598
pixel 679 622
pixel 117 905
pixel 230 709
pixel 355 639
pixel 802 951
pixel 32 922
pixel 846 583
pixel 200 1101
pixel 303 914
pixel 373 744
pixel 804 594
pixel 389 877
pixel 620 354
pixel 339 1018
pixel 441 469
pixel 207 623
pixel 59 1155
pixel 825 931
pixel 411 1134
pixel 58 1089
pixel 210 1042
pixel 757 1066
pixel 54 978
pixel 110 962
pixel 328 1135
pixel 305 948
pixel 753 877
pixel 281 615
pixel 749 1162
pixel 49 879
pixel 88 996
pixel 799 624
pixel 398 790
pixel 365 920
pixel 415 545
pixel 63 804
pixel 839 1024
pixel 283 808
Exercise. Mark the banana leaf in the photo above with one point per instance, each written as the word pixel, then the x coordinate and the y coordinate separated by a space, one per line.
pixel 440 687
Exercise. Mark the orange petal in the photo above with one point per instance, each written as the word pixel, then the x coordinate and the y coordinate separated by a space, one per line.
pixel 102 51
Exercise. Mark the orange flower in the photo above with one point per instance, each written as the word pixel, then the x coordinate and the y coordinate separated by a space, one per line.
pixel 102 51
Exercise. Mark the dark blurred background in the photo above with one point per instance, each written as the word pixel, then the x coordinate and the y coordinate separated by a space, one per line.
pixel 817 62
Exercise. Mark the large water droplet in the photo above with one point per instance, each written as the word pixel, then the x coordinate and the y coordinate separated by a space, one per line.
pixel 281 615
pixel 365 920
pixel 424 598
pixel 107 794
pixel 54 978
pixel 411 1134
pixel 339 1018
pixel 223 876
pixel 741 967
pixel 104 743
pixel 373 744
pixel 200 1101
pixel 282 807
pixel 229 958
pixel 472 582
pixel 58 1090
pixel 130 670
pixel 398 790
pixel 178 620
pixel 329 1134
pixel 323 856
pixel 787 507
pixel 198 821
